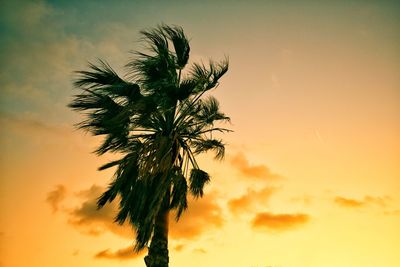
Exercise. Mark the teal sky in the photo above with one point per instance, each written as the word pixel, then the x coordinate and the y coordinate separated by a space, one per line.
pixel 36 35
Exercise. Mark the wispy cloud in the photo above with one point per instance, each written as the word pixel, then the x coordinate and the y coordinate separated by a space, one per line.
pixel 55 197
pixel 37 52
pixel 348 202
pixel 260 171
pixel 359 203
pixel 278 222
pixel 200 250
pixel 41 55
pixel 26 13
pixel 248 201
pixel 179 247
pixel 120 254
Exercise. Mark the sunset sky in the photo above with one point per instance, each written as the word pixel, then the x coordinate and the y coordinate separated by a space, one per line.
pixel 311 176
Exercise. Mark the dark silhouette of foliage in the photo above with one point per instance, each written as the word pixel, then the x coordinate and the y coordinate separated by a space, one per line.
pixel 158 120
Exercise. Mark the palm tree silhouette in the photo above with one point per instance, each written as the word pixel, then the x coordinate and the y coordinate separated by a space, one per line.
pixel 158 120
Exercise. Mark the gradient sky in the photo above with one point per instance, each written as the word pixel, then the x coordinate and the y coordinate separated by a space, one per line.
pixel 312 172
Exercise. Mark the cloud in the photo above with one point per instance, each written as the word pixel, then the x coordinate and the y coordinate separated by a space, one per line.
pixel 247 201
pixel 37 51
pixel 200 250
pixel 55 197
pixel 379 201
pixel 261 171
pixel 26 13
pixel 278 222
pixel 393 212
pixel 121 254
pixel 41 54
pixel 347 202
pixel 179 247
pixel 90 220
pixel 202 215
pixel 44 43
pixel 360 203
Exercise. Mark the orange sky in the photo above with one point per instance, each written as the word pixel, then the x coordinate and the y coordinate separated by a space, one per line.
pixel 311 177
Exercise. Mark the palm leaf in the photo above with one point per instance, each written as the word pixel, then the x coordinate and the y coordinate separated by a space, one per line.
pixel 181 44
pixel 178 193
pixel 204 145
pixel 198 179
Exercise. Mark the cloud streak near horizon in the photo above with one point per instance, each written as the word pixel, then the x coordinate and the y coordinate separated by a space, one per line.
pixel 120 254
pixel 278 222
pixel 360 203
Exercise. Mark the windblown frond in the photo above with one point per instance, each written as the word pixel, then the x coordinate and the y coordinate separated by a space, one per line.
pixel 198 179
pixel 181 44
pixel 204 145
pixel 208 111
pixel 179 192
pixel 99 76
pixel 209 76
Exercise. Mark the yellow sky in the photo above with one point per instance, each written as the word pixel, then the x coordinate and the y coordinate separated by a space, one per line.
pixel 311 177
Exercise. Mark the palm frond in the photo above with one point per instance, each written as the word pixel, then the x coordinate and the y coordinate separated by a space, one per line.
pixel 204 145
pixel 156 40
pixel 209 76
pixel 99 75
pixel 179 193
pixel 186 88
pixel 202 75
pixel 198 178
pixel 102 80
pixel 220 69
pixel 109 165
pixel 208 112
pixel 125 178
pixel 181 44
pixel 156 71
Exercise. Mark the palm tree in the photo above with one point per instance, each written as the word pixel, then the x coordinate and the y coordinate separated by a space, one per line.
pixel 157 119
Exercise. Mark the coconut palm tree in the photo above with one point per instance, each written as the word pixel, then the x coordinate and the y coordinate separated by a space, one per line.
pixel 157 119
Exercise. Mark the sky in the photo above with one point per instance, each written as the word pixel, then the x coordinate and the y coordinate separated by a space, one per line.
pixel 311 176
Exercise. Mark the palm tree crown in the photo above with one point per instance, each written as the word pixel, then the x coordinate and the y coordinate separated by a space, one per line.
pixel 158 119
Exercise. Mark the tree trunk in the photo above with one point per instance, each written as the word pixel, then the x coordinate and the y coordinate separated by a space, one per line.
pixel 158 251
